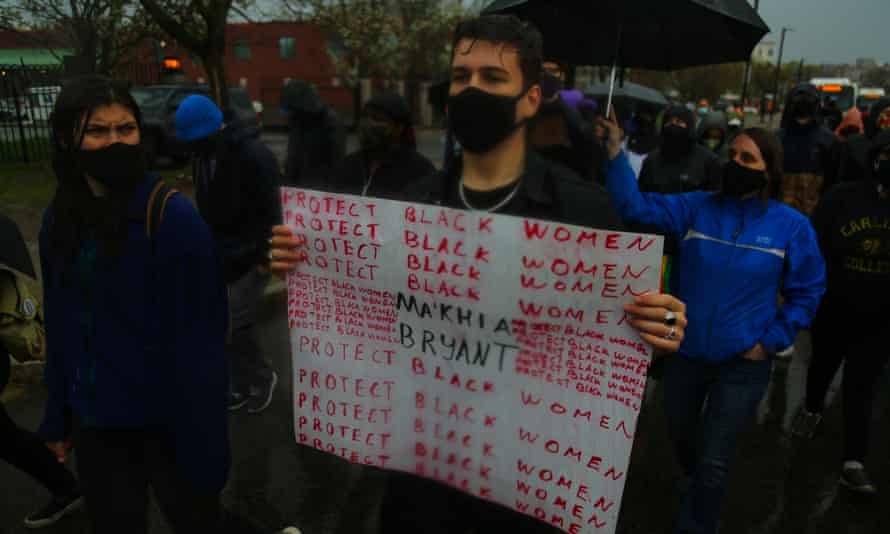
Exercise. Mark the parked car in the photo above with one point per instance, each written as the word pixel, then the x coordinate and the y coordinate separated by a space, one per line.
pixel 159 104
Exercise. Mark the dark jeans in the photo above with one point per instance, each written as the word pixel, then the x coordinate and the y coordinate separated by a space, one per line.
pixel 25 451
pixel 248 367
pixel 422 506
pixel 865 353
pixel 707 407
pixel 116 468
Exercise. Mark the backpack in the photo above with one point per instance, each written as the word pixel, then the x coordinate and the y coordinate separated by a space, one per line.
pixel 154 210
pixel 21 316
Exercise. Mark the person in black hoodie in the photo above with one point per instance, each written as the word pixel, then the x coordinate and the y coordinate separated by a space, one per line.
pixel 853 225
pixel 559 133
pixel 387 161
pixel 854 152
pixel 679 164
pixel 316 138
pixel 810 151
pixel 236 188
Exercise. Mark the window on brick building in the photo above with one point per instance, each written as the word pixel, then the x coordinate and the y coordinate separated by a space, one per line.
pixel 287 47
pixel 242 50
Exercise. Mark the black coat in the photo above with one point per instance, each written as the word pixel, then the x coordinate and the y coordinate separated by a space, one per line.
pixel 236 190
pixel 699 170
pixel 316 144
pixel 391 178
pixel 549 191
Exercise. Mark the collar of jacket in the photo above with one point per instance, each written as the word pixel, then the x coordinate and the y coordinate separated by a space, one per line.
pixel 535 187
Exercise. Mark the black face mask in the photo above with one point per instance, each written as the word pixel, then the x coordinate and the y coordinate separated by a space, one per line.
pixel 481 120
pixel 675 139
pixel 804 109
pixel 882 172
pixel 739 181
pixel 375 137
pixel 116 166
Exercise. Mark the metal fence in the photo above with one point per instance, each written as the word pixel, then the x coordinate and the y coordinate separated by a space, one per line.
pixel 27 97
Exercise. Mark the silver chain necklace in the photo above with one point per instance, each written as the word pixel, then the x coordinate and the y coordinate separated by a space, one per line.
pixel 506 200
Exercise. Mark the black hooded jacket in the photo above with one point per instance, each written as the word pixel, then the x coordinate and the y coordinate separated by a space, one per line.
pixel 853 226
pixel 854 153
pixel 692 169
pixel 716 120
pixel 585 156
pixel 316 141
pixel 810 148
pixel 236 189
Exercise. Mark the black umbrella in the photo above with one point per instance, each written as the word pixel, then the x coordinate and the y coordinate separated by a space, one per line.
pixel 630 91
pixel 644 34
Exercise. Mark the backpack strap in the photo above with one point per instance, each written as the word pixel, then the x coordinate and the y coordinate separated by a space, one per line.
pixel 154 210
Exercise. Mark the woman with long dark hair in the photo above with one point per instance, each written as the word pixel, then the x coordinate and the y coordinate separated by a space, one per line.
pixel 738 249
pixel 135 324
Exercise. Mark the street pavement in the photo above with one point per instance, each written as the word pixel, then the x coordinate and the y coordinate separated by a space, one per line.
pixel 778 484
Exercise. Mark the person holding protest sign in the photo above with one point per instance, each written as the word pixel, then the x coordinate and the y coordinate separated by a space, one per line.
pixel 495 90
pixel 136 369
pixel 738 249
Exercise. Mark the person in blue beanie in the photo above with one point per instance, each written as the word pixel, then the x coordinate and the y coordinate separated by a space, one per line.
pixel 738 249
pixel 136 369
pixel 236 188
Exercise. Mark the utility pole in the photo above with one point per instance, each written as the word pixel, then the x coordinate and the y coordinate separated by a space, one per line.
pixel 747 79
pixel 800 71
pixel 779 69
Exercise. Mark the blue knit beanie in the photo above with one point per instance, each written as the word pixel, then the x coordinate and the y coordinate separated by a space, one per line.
pixel 197 117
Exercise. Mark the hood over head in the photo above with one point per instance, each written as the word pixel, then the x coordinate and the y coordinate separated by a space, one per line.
pixel 299 96
pixel 715 120
pixel 681 112
pixel 803 94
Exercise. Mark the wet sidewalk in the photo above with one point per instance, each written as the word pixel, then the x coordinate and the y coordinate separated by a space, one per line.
pixel 778 485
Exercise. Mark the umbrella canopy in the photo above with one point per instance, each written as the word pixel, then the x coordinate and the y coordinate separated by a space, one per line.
pixel 630 91
pixel 644 34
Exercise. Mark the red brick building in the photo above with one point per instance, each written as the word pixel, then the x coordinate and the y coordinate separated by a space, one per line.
pixel 262 56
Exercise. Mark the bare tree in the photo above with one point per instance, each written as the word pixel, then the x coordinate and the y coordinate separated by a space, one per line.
pixel 102 31
pixel 200 27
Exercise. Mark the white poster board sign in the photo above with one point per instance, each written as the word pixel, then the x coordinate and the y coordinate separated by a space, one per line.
pixel 490 353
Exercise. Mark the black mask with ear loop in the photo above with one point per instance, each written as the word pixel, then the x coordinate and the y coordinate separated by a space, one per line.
pixel 481 120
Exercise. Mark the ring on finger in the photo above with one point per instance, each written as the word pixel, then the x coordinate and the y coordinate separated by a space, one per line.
pixel 670 318
pixel 270 255
pixel 672 335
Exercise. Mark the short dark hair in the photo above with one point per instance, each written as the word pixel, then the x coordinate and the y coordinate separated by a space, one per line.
pixel 773 156
pixel 509 30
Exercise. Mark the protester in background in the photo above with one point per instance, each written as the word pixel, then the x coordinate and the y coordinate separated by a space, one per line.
pixel 852 226
pixel 387 162
pixel 316 141
pixel 831 113
pixel 739 249
pixel 558 132
pixel 22 337
pixel 851 125
pixel 236 189
pixel 679 164
pixel 713 135
pixel 810 152
pixel 643 140
pixel 497 172
pixel 853 166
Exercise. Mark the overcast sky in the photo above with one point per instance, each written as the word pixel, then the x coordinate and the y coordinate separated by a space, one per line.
pixel 831 31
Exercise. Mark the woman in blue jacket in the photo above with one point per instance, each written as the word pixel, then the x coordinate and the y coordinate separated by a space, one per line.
pixel 738 249
pixel 136 370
